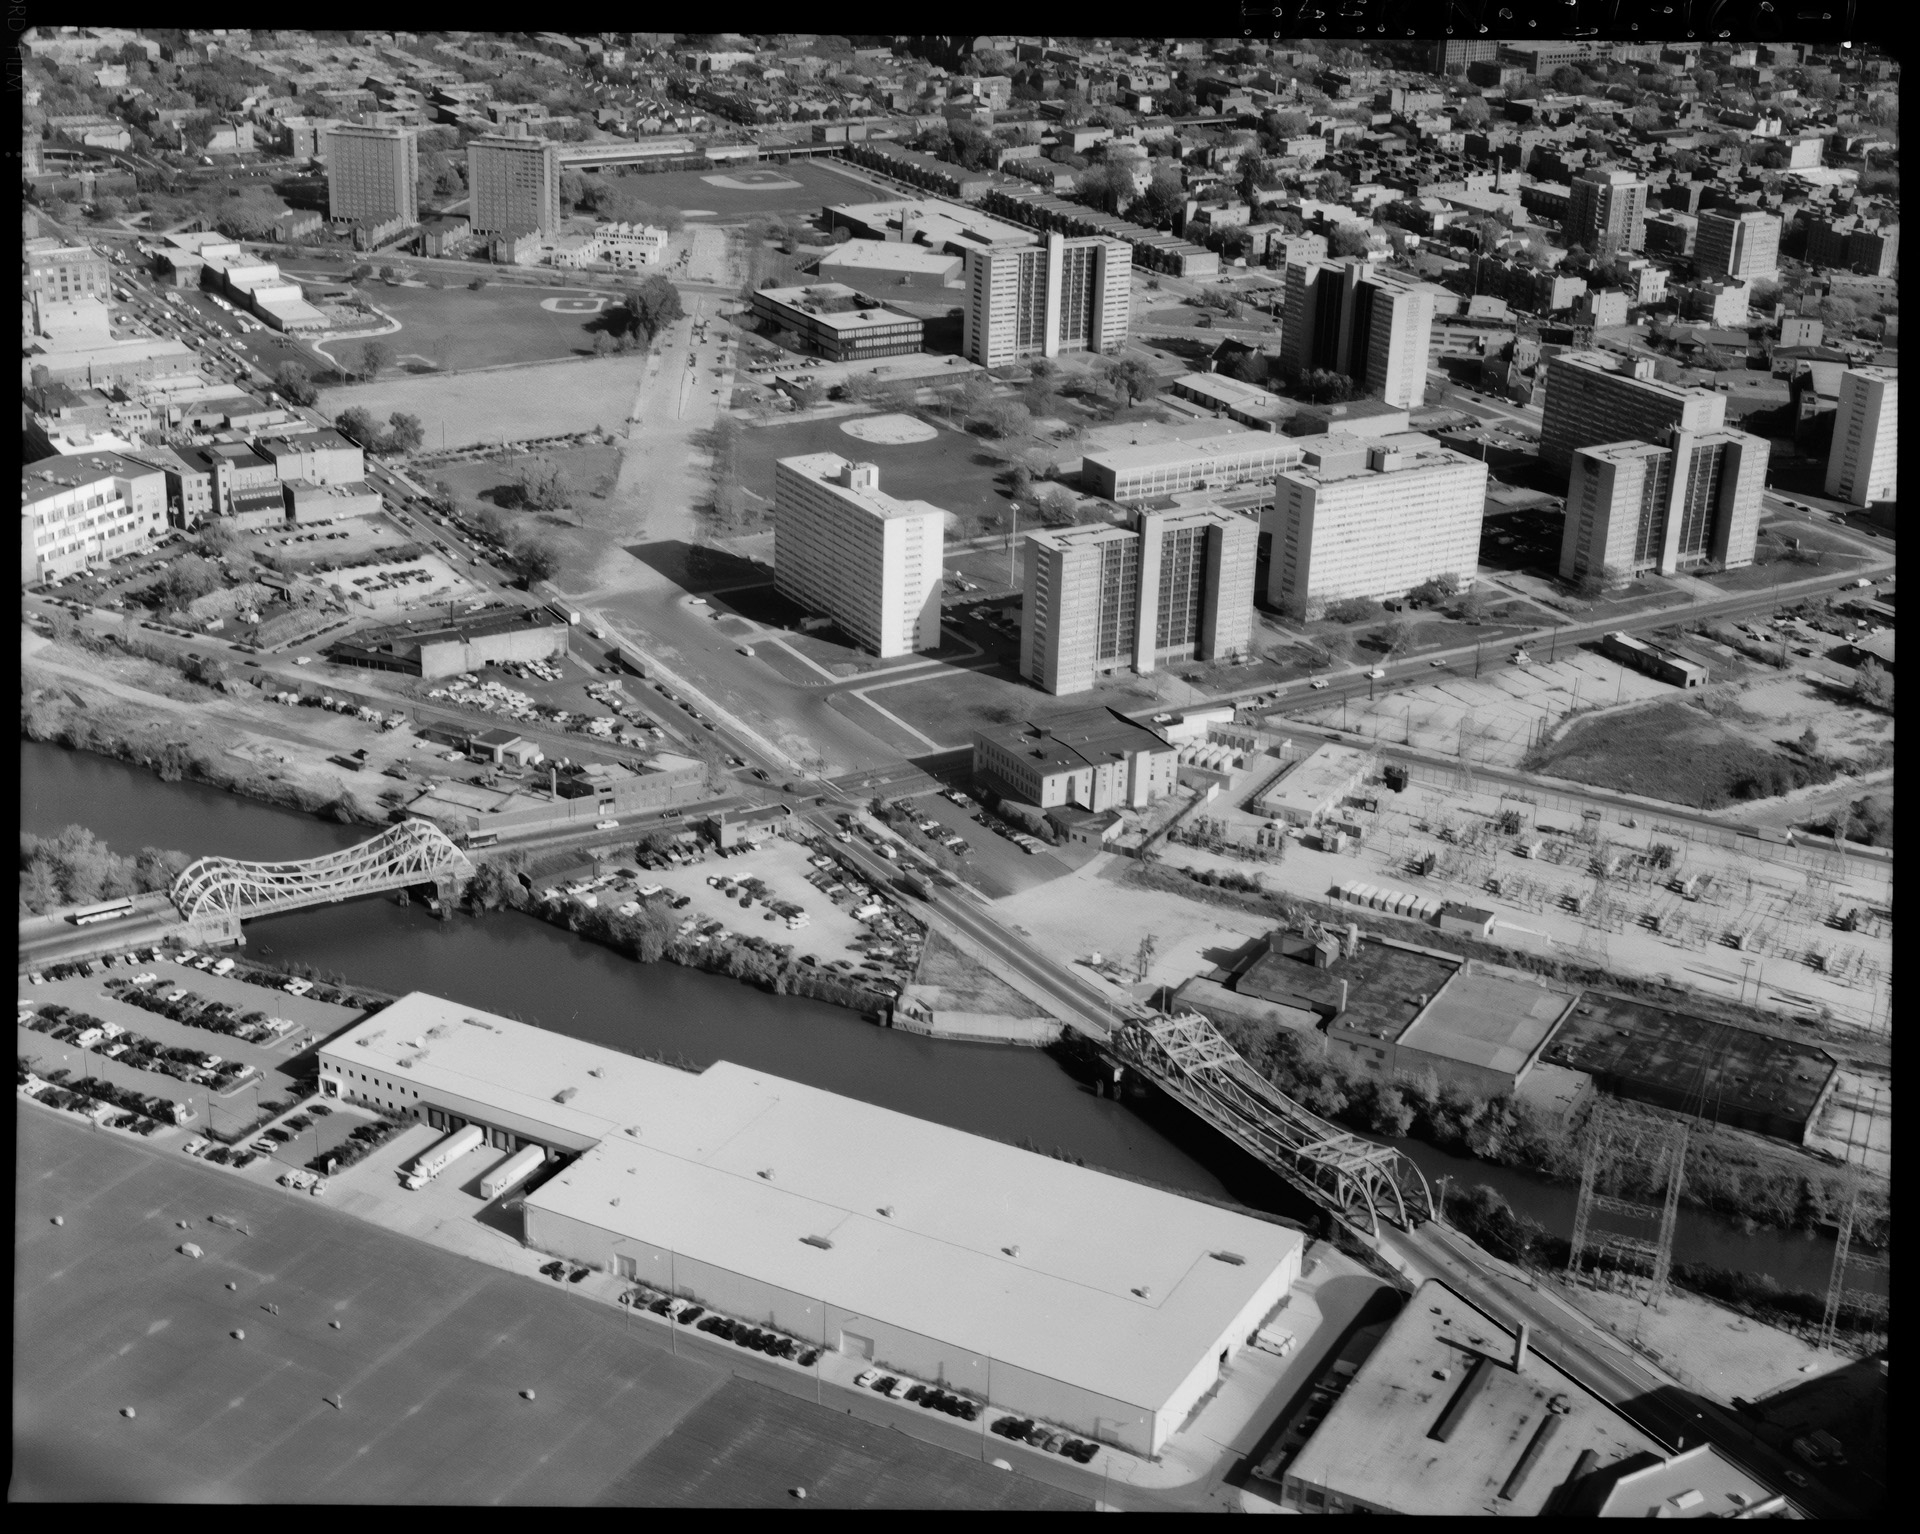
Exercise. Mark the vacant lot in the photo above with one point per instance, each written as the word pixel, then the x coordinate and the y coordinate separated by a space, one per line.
pixel 493 481
pixel 508 405
pixel 453 328
pixel 1673 751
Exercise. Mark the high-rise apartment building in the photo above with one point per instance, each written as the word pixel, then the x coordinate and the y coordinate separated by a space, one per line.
pixel 871 563
pixel 1843 242
pixel 1177 585
pixel 514 184
pixel 1690 499
pixel 59 271
pixel 1746 247
pixel 372 174
pixel 1372 325
pixel 1606 211
pixel 1372 518
pixel 1063 294
pixel 1861 466
pixel 1451 52
pixel 1595 397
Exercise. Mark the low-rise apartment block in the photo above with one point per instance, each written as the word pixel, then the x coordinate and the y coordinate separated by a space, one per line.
pixel 85 509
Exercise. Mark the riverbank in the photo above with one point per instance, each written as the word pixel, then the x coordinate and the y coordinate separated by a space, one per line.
pixel 178 730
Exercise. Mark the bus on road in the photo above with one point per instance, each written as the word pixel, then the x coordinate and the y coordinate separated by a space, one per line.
pixel 105 910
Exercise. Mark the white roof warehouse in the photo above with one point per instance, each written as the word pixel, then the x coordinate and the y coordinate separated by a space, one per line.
pixel 1045 1288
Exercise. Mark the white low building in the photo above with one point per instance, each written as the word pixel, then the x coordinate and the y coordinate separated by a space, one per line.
pixel 1100 1305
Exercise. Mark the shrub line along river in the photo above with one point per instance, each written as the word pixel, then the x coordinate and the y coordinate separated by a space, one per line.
pixel 523 967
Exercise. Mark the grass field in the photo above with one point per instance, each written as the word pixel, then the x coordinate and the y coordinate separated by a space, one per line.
pixel 954 471
pixel 513 404
pixel 429 1362
pixel 694 192
pixel 454 328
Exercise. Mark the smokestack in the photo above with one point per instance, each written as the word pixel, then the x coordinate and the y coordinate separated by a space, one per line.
pixel 1343 998
pixel 553 781
pixel 1520 1348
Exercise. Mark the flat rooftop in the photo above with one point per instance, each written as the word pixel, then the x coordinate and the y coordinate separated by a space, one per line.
pixel 1083 738
pixel 1102 1283
pixel 1088 1279
pixel 1385 984
pixel 891 256
pixel 1234 445
pixel 410 636
pixel 1324 772
pixel 1495 1020
pixel 810 300
pixel 1507 1440
pixel 938 224
pixel 1749 1079
pixel 827 468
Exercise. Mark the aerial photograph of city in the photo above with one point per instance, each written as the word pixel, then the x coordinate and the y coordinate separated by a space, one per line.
pixel 949 646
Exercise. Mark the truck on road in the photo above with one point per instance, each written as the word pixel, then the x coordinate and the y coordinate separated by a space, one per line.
pixel 435 1161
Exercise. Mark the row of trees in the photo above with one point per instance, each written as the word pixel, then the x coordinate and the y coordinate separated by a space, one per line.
pixel 403 432
pixel 76 867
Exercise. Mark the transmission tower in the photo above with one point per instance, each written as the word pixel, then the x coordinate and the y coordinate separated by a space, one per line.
pixel 1839 1297
pixel 1617 1140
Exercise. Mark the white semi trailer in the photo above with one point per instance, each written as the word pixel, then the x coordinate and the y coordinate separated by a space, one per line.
pixel 435 1161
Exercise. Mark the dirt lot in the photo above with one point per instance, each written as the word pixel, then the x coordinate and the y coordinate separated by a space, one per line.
pixel 514 404
pixel 1714 1349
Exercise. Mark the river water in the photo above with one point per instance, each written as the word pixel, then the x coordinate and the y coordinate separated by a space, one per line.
pixel 524 968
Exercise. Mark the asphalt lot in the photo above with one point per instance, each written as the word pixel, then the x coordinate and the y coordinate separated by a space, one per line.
pixel 427 1365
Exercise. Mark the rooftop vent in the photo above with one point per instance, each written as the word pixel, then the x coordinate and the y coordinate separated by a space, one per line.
pixel 565 1094
pixel 766 1172
pixel 887 1210
pixel 1145 1291
pixel 820 1241
pixel 1231 1257
pixel 1011 1251
pixel 596 1071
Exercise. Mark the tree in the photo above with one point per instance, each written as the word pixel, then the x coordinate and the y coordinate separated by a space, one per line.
pixel 543 486
pixel 1322 384
pixel 357 425
pixel 1592 583
pixel 296 383
pixel 374 355
pixel 1474 606
pixel 1055 506
pixel 217 537
pixel 652 306
pixel 1873 685
pixel 404 433
pixel 1473 112
pixel 1434 590
pixel 1163 199
pixel 185 581
pixel 1396 636
pixel 1131 378
pixel 1107 186
pixel 1333 187
pixel 1351 610
pixel 1143 956
pixel 536 559
pixel 1349 240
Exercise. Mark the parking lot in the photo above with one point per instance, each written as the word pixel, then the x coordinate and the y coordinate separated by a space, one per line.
pixel 351 1387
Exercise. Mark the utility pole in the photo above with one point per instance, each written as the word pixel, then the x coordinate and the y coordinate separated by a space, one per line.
pixel 1012 539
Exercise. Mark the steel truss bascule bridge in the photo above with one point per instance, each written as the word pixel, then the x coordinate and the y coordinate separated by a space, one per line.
pixel 1350 1177
pixel 412 852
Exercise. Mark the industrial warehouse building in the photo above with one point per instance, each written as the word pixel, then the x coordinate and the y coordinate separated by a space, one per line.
pixel 1090 1302
pixel 435 647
